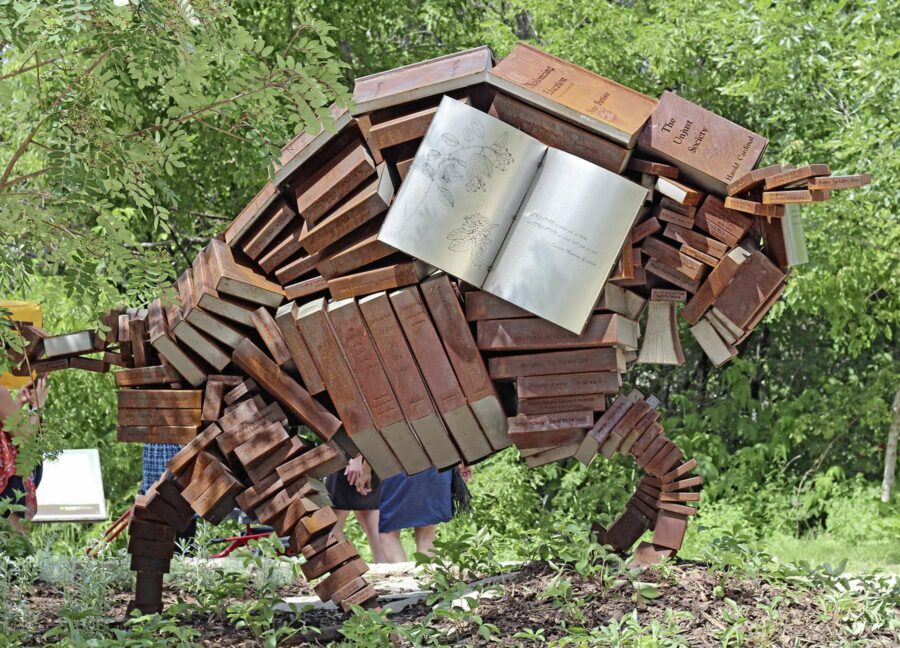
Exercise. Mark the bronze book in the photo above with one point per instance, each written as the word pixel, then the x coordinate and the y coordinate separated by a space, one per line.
pixel 419 80
pixel 573 93
pixel 709 150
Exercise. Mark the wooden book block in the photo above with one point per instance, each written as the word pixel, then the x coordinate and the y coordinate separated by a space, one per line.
pixel 160 398
pixel 274 222
pixel 306 288
pixel 702 257
pixel 285 390
pixel 554 404
pixel 672 217
pixel 404 128
pixel 648 437
pixel 558 421
pixel 252 497
pixel 644 229
pixel 286 247
pixel 212 402
pixel 623 428
pixel 722 223
pixel 297 268
pixel 482 305
pixel 146 563
pixel 271 336
pixel 554 454
pixel 349 589
pixel 248 217
pixel 671 257
pixel 598 433
pixel 328 560
pixel 678 191
pixel 367 597
pixel 273 507
pixel 653 168
pixel 222 489
pixel 753 179
pixel 533 334
pixel 260 445
pixel 148 588
pixel 451 325
pixel 152 531
pixel 339 578
pixel 597 382
pixel 237 281
pixel 753 283
pixel 345 393
pixel 319 545
pixel 319 523
pixel 556 362
pixel 696 240
pixel 407 381
pixel 179 434
pixel 286 319
pixel 370 201
pixel 159 416
pixel 283 452
pixel 319 193
pixel 88 364
pixel 626 529
pixel 715 283
pixel 829 183
pixel 670 529
pixel 682 484
pixel 354 257
pixel 366 367
pixel 439 375
pixel 708 149
pixel 682 469
pixel 671 275
pixel 548 438
pixel 246 389
pixel 560 134
pixel 185 457
pixel 793 176
pixel 664 461
pixel 640 428
pixel 307 463
pixel 372 281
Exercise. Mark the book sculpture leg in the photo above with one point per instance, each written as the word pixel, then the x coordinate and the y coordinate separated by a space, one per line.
pixel 462 266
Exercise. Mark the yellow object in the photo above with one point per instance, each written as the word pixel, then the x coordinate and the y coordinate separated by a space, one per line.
pixel 23 311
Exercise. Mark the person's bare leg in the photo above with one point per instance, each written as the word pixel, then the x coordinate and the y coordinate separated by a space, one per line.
pixel 392 547
pixel 425 539
pixel 15 521
pixel 368 520
pixel 341 521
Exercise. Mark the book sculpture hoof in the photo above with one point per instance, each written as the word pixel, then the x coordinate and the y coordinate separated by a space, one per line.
pixel 461 267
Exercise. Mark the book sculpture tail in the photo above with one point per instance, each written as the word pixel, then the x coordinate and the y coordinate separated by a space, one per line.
pixel 460 267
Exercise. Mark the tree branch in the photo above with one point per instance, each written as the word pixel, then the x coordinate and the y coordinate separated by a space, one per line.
pixel 40 64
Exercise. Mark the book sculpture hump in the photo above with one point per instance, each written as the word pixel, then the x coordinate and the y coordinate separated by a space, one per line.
pixel 461 267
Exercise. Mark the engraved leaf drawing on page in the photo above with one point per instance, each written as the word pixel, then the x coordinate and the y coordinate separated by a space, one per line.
pixel 474 237
pixel 465 156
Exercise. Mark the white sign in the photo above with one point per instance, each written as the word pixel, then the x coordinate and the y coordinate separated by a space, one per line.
pixel 71 489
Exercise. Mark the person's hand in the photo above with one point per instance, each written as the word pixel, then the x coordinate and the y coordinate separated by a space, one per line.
pixel 34 393
pixel 364 484
pixel 466 473
pixel 354 470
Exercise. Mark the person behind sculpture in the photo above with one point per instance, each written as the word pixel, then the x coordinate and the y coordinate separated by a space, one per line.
pixel 419 502
pixel 355 488
pixel 13 487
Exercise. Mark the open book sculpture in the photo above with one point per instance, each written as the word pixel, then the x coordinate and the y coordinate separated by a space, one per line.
pixel 461 267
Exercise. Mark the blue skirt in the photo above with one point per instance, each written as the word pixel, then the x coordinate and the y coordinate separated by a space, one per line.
pixel 417 501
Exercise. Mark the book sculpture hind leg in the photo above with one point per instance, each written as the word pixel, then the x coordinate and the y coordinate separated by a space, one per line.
pixel 318 327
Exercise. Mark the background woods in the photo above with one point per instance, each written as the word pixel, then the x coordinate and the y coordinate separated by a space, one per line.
pixel 132 132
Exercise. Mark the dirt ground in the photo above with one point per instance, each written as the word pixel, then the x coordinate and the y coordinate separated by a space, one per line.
pixel 775 616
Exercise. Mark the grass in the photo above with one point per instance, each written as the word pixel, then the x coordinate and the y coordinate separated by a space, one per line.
pixel 879 556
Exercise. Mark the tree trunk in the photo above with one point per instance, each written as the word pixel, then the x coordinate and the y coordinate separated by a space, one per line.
pixel 890 452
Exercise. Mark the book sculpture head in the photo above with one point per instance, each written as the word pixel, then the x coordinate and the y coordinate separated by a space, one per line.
pixel 461 267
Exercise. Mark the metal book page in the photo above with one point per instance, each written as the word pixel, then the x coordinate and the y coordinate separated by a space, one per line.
pixel 462 192
pixel 565 240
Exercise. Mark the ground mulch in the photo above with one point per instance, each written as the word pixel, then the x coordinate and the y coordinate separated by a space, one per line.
pixel 775 615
